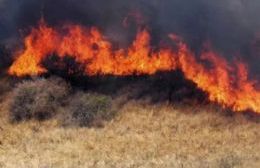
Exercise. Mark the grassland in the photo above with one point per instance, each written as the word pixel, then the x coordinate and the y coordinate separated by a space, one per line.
pixel 140 135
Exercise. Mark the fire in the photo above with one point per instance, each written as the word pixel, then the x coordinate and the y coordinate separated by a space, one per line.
pixel 89 46
pixel 225 84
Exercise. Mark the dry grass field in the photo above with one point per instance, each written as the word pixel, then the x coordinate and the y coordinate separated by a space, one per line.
pixel 140 135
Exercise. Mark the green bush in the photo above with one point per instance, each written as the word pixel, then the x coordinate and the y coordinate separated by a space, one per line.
pixel 87 109
pixel 37 99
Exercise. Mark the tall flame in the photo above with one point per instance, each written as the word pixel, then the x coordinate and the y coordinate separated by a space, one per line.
pixel 226 85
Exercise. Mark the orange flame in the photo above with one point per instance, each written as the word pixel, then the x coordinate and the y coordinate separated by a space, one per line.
pixel 227 86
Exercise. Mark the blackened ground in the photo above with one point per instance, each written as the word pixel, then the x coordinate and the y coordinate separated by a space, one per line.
pixel 162 86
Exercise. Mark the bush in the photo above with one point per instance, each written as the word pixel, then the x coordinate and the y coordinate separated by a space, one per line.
pixel 229 161
pixel 6 85
pixel 38 99
pixel 87 109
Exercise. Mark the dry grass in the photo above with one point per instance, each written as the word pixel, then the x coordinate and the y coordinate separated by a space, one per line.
pixel 140 135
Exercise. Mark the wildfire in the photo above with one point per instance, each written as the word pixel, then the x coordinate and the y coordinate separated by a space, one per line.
pixel 225 84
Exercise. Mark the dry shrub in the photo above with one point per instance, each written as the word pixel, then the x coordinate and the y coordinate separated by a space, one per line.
pixel 229 161
pixel 37 99
pixel 6 85
pixel 88 109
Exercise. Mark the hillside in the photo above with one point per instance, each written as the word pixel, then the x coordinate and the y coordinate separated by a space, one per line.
pixel 140 135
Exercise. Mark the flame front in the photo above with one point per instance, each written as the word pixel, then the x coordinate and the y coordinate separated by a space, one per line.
pixel 225 84
pixel 89 47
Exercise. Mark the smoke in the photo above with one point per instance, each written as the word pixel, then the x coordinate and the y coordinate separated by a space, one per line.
pixel 232 27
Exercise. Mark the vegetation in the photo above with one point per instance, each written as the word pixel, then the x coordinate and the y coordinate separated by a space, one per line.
pixel 86 109
pixel 142 134
pixel 37 99
pixel 44 98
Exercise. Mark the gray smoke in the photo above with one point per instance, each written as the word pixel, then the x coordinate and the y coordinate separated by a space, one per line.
pixel 231 26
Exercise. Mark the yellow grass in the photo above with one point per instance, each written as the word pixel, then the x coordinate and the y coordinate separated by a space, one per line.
pixel 141 135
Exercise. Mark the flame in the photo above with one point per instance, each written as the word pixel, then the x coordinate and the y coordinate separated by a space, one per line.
pixel 225 84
